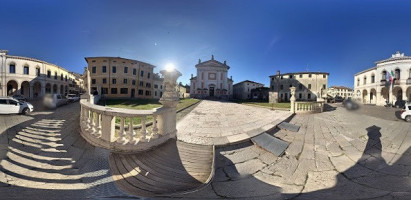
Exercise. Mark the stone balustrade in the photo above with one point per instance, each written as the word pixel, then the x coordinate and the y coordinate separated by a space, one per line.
pixel 308 107
pixel 98 127
pixel 98 123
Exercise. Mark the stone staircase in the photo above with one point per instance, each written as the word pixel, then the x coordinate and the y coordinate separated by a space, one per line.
pixel 173 168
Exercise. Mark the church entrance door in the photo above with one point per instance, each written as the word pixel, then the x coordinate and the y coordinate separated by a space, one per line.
pixel 211 91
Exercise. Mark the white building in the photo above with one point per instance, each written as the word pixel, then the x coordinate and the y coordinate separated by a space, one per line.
pixel 242 90
pixel 371 85
pixel 211 80
pixel 32 78
pixel 340 91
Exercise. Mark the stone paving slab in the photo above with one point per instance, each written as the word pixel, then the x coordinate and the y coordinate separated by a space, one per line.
pixel 224 123
pixel 270 144
pixel 289 127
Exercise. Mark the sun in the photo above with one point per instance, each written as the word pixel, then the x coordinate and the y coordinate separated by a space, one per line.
pixel 170 67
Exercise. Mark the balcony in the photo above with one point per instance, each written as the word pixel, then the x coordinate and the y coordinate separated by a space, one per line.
pixel 383 82
pixel 396 82
pixel 409 81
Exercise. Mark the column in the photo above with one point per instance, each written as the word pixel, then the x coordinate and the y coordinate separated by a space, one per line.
pixel 31 93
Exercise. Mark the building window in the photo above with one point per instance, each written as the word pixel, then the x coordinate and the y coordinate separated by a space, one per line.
pixel 161 94
pixel 38 71
pixel 55 75
pixel 125 70
pixel 372 78
pixel 384 75
pixel 12 69
pixel 309 75
pixel 323 86
pixel 281 77
pixel 134 71
pixel 93 70
pixel 281 87
pixel 324 76
pixel 114 81
pixel 397 74
pixel 124 91
pixel 125 81
pixel 300 86
pixel 148 85
pixel 104 69
pixel 155 86
pixel 114 69
pixel 358 82
pixel 300 96
pixel 309 86
pixel 148 93
pixel 148 74
pixel 26 70
pixel 104 90
pixel 309 96
pixel 291 85
pixel 155 93
pixel 48 74
pixel 104 80
pixel 61 77
pixel 65 78
pixel 142 73
pixel 291 76
pixel 272 87
pixel 140 92
pixel 133 82
pixel 113 90
pixel 93 81
pixel 141 83
pixel 365 80
pixel 301 75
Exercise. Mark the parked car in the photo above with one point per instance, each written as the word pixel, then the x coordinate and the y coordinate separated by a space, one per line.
pixel 399 104
pixel 339 99
pixel 19 97
pixel 73 97
pixel 9 105
pixel 54 100
pixel 406 112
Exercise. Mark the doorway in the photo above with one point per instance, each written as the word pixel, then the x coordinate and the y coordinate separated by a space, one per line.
pixel 211 91
pixel 133 92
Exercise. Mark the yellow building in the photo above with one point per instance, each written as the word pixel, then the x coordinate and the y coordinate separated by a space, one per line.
pixel 116 77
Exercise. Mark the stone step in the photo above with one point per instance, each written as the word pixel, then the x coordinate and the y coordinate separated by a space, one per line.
pixel 270 144
pixel 289 127
pixel 173 167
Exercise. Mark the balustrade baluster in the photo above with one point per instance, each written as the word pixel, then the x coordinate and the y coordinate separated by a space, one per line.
pixel 155 129
pixel 143 129
pixel 98 125
pixel 93 122
pixel 88 119
pixel 122 132
pixel 132 134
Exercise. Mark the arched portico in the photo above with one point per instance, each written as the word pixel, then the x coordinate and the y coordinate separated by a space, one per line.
pixel 373 96
pixel 365 96
pixel 12 88
pixel 397 94
pixel 408 92
pixel 61 89
pixel 37 89
pixel 55 89
pixel 25 89
pixel 48 88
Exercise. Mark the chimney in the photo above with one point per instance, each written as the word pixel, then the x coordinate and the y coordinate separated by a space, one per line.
pixel 212 57
pixel 199 61
pixel 231 77
pixel 278 72
pixel 191 75
pixel 225 62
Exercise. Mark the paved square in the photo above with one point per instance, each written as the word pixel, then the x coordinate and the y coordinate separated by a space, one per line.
pixel 222 123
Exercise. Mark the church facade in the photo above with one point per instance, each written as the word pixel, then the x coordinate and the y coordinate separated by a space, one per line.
pixel 211 80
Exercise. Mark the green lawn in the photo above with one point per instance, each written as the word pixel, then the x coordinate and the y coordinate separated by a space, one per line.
pixel 144 104
pixel 284 105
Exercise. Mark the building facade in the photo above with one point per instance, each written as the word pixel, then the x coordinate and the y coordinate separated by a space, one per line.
pixel 30 77
pixel 242 90
pixel 260 93
pixel 373 86
pixel 116 77
pixel 340 91
pixel 158 86
pixel 183 91
pixel 211 80
pixel 309 86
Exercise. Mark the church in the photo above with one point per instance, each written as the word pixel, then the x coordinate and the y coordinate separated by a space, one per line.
pixel 211 80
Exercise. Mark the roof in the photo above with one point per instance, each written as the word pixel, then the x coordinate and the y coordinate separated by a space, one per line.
pixel 395 57
pixel 35 60
pixel 340 87
pixel 293 73
pixel 212 61
pixel 108 57
pixel 363 71
pixel 248 82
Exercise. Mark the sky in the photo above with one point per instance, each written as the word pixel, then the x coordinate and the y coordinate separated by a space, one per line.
pixel 256 38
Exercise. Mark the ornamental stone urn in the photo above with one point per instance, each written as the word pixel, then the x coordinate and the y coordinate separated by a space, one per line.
pixel 170 97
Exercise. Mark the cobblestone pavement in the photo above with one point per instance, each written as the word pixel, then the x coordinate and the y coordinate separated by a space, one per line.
pixel 381 112
pixel 335 155
pixel 223 123
pixel 42 156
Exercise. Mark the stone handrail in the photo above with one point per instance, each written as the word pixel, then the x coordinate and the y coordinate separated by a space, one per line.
pixel 308 107
pixel 98 128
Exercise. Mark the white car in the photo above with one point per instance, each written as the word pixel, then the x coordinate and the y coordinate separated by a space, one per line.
pixel 10 105
pixel 406 112
pixel 54 100
pixel 73 97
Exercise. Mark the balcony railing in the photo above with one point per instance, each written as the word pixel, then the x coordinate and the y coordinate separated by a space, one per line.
pixel 396 82
pixel 409 81
pixel 383 82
